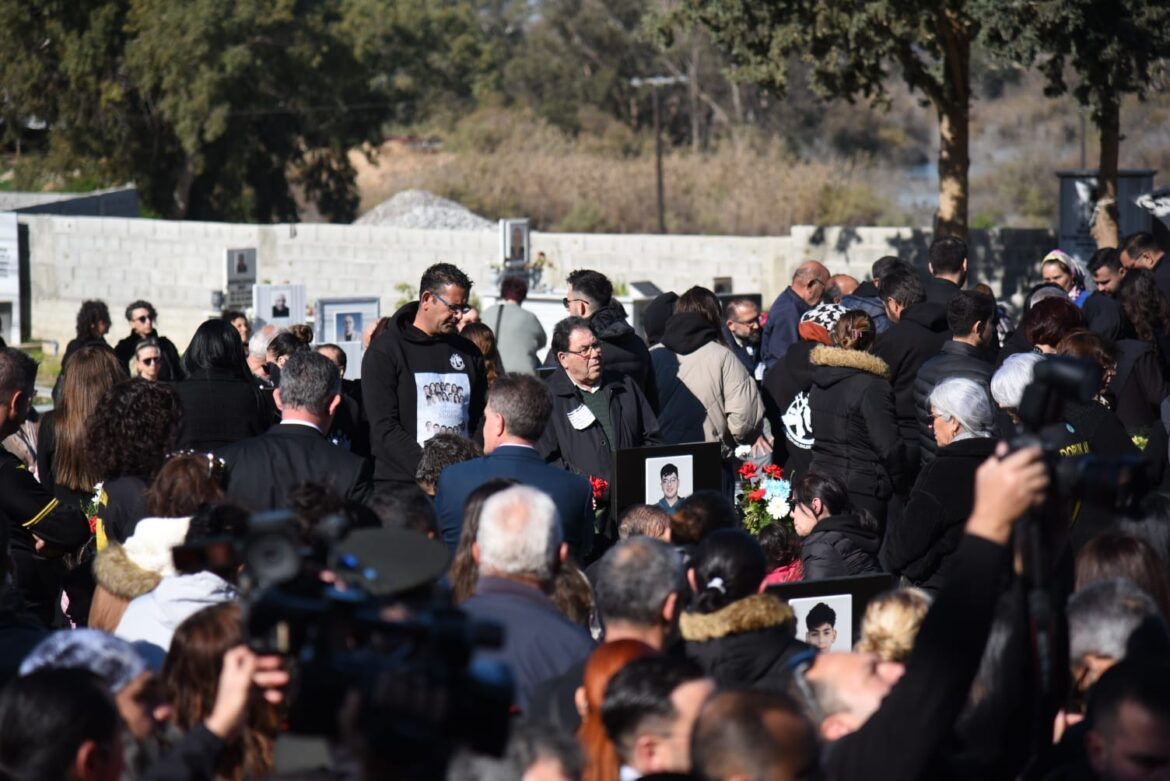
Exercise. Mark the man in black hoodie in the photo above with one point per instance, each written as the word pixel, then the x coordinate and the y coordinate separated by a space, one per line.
pixel 421 378
pixel 590 295
pixel 918 330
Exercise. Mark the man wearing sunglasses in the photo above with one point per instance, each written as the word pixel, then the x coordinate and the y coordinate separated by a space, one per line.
pixel 142 318
pixel 422 351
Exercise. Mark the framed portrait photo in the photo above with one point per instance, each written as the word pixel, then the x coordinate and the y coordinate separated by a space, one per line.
pixel 340 321
pixel 664 475
pixel 829 612
pixel 279 305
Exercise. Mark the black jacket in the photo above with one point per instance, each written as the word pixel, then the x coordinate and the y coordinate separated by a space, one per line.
pixel 908 344
pixel 587 452
pixel 746 644
pixel 785 392
pixel 263 470
pixel 957 359
pixel 852 413
pixel 903 738
pixel 219 409
pixel 921 543
pixel 170 354
pixel 622 350
pixel 398 370
pixel 940 291
pixel 1139 386
pixel 1103 315
pixel 839 547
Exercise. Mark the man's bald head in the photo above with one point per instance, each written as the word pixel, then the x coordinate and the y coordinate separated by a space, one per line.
pixel 809 281
pixel 753 735
pixel 840 285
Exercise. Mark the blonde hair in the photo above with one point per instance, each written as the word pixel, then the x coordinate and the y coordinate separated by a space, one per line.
pixel 891 623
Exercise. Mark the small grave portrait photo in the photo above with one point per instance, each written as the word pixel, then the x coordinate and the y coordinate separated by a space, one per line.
pixel 349 326
pixel 669 480
pixel 825 622
pixel 280 305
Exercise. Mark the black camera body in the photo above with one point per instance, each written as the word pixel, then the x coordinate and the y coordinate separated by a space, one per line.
pixel 1115 484
pixel 308 597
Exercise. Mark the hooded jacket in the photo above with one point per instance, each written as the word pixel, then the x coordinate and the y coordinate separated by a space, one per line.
pixel 852 412
pixel 704 392
pixel 586 451
pixel 414 386
pixel 622 350
pixel 785 392
pixel 908 344
pixel 152 618
pixel 956 359
pixel 746 644
pixel 839 547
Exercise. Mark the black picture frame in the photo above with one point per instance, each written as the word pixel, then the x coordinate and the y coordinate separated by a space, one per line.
pixel 862 589
pixel 629 470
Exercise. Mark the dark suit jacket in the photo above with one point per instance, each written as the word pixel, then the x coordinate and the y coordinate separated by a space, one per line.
pixel 262 470
pixel 571 493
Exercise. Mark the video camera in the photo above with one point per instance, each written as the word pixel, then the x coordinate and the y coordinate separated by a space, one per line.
pixel 1109 483
pixel 320 597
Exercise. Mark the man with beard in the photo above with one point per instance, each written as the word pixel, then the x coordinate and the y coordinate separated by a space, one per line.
pixel 742 334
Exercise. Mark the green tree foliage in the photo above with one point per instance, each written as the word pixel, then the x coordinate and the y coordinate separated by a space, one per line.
pixel 852 50
pixel 219 109
pixel 1114 48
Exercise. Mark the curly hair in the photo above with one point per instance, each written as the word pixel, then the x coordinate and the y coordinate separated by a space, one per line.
pixel 1144 304
pixel 133 428
pixel 89 316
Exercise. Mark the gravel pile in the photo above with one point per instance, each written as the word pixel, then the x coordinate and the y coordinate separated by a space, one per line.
pixel 421 209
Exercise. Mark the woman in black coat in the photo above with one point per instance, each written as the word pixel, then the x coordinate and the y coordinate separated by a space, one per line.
pixel 740 637
pixel 852 413
pixel 920 544
pixel 221 403
pixel 837 542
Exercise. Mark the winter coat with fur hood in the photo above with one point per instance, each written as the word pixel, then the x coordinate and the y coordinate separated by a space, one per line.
pixel 852 410
pixel 746 644
pixel 704 392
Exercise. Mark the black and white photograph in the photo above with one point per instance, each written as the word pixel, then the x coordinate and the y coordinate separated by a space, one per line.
pixel 826 623
pixel 669 480
pixel 240 265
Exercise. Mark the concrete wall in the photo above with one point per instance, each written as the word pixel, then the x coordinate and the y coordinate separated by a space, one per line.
pixel 176 265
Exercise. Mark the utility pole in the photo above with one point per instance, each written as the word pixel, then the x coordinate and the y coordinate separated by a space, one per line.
pixel 654 82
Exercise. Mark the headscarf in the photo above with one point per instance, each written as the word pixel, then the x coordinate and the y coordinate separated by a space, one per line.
pixel 817 324
pixel 1082 281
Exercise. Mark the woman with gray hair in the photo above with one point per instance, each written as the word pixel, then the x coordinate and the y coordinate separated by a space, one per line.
pixel 920 543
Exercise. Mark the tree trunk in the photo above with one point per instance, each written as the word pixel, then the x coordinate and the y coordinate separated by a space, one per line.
pixel 1105 224
pixel 953 103
pixel 693 91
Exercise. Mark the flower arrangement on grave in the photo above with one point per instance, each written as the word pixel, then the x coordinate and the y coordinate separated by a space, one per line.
pixel 763 497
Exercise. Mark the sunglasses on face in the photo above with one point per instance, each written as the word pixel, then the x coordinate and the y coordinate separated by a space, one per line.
pixel 149 361
pixel 144 319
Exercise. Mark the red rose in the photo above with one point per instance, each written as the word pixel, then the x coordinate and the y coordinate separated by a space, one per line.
pixel 771 470
pixel 599 485
pixel 748 470
pixel 93 520
pixel 757 494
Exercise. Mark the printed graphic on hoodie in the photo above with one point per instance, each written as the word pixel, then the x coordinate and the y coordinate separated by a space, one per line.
pixel 443 402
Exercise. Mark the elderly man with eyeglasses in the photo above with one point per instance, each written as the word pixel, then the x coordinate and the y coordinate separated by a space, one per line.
pixel 422 350
pixel 595 411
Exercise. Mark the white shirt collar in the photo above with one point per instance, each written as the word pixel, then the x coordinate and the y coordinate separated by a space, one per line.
pixel 313 426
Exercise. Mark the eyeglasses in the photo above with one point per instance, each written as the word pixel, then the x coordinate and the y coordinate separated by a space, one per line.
pixel 462 309
pixel 586 350
pixel 149 361
pixel 144 319
pixel 753 321
pixel 567 301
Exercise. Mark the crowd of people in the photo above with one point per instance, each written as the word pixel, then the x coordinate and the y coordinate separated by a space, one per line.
pixel 1007 481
